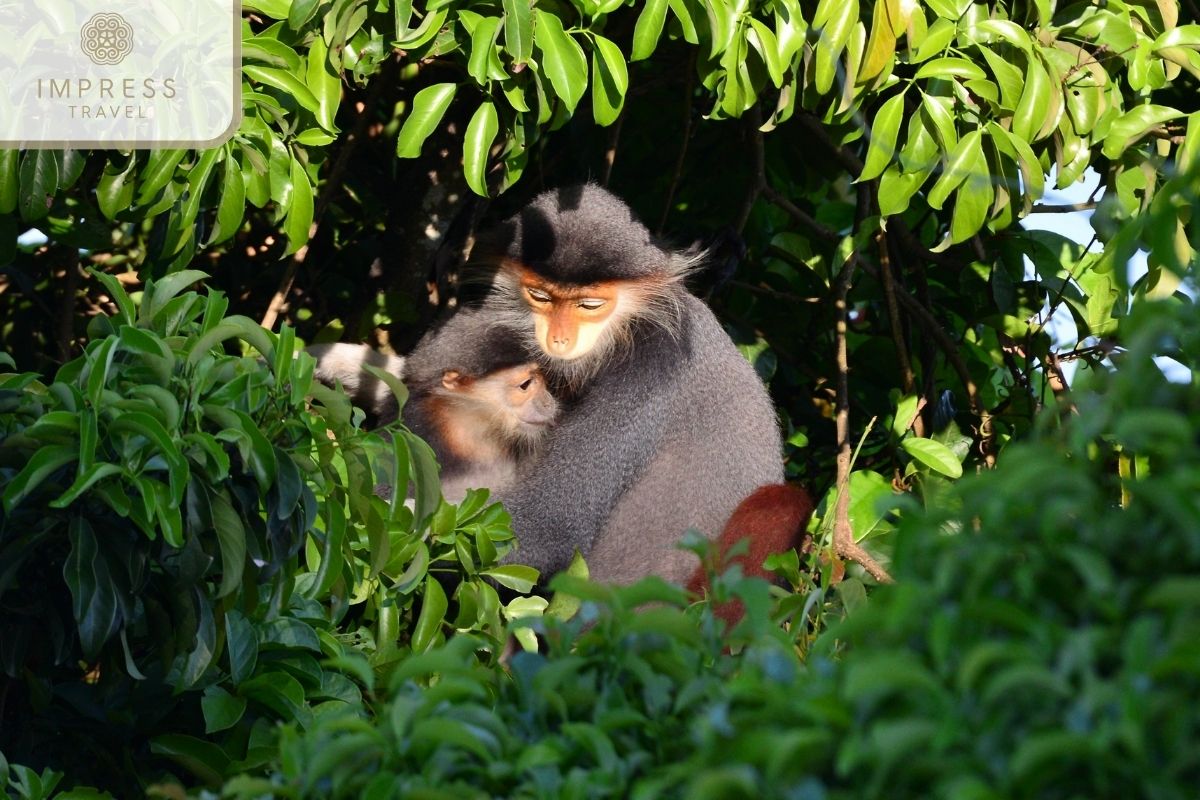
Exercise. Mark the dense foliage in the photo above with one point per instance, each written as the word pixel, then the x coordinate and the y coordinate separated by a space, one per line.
pixel 198 587
pixel 912 136
pixel 1041 641
pixel 191 548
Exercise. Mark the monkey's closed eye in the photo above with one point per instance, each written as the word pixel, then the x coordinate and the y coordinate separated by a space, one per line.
pixel 538 296
pixel 592 303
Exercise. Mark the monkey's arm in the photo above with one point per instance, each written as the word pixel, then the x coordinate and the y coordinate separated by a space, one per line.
pixel 563 498
pixel 344 363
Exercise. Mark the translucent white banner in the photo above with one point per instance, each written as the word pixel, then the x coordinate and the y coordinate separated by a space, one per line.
pixel 119 73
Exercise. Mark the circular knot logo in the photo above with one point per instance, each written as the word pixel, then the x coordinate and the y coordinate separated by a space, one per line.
pixel 106 38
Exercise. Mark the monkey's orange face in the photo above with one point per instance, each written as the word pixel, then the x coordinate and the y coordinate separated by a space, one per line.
pixel 569 320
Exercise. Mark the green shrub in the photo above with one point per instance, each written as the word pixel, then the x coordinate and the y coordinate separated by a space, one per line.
pixel 191 548
pixel 1042 641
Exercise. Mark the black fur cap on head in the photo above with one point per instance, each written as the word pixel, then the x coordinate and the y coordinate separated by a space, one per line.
pixel 473 342
pixel 579 235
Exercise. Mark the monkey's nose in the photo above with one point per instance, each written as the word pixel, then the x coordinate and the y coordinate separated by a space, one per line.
pixel 560 345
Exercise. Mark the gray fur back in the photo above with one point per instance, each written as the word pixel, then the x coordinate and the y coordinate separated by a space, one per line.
pixel 722 442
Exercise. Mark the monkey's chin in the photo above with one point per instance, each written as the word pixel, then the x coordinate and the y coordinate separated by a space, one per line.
pixel 574 355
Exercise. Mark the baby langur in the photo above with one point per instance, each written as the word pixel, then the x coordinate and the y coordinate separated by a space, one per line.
pixel 479 400
pixel 474 396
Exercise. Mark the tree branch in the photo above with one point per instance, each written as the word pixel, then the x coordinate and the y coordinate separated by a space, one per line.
pixel 819 231
pixel 759 180
pixel 843 535
pixel 1064 208
pixel 931 326
pixel 889 294
pixel 610 152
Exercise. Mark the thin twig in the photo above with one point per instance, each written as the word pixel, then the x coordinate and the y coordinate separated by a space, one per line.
pixel 610 152
pixel 934 329
pixel 774 293
pixel 1064 208
pixel 819 231
pixel 843 535
pixel 688 91
pixel 889 294
pixel 759 180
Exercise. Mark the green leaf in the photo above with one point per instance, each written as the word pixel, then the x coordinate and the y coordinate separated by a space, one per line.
pixel 285 82
pixel 562 59
pixel 939 111
pixel 481 132
pixel 935 455
pixel 423 33
pixel 114 192
pixel 1035 99
pixel 518 30
pixel 141 424
pixel 432 616
pixel 232 206
pixel 517 577
pixel 397 387
pixel 271 51
pixel 235 325
pixel 958 167
pixel 9 180
pixel 835 20
pixel 300 216
pixel 85 481
pixel 763 40
pixel 429 106
pixel 564 606
pixel 161 292
pixel 44 463
pixel 1019 150
pixel 301 12
pixel 1133 125
pixel 126 313
pixel 610 81
pixel 39 183
pixel 197 181
pixel 159 170
pixel 483 42
pixel 880 51
pixel 324 84
pixel 402 12
pixel 196 662
pixel 648 29
pixel 884 129
pixel 424 477
pixel 906 414
pixel 951 68
pixel 93 593
pixel 231 538
pixel 241 644
pixel 222 710
pixel 205 760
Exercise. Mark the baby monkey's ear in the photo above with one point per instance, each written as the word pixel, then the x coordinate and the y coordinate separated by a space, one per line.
pixel 454 381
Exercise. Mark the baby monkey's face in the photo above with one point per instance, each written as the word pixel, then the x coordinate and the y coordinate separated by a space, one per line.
pixel 513 402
